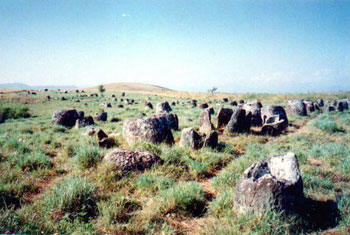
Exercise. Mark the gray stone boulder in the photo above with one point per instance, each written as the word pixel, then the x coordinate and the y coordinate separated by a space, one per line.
pixel 149 105
pixel 205 124
pixel 81 114
pixel 329 108
pixel 239 122
pixel 203 106
pixel 192 103
pixel 345 103
pixel 254 104
pixel 320 103
pixel 151 129
pixel 269 113
pixel 223 117
pixel 170 119
pixel 132 160
pixel 163 107
pixel 233 103
pixel 210 110
pixel 340 106
pixel 84 121
pixel 310 106
pixel 101 134
pixel 273 183
pixel 107 142
pixel 254 111
pixel 211 140
pixel 101 116
pixel 296 107
pixel 191 138
pixel 65 117
pixel 273 126
pixel 196 140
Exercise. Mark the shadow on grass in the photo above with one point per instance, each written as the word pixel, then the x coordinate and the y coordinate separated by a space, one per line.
pixel 319 215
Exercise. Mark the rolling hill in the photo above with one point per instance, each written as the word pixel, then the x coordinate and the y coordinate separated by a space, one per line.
pixel 132 86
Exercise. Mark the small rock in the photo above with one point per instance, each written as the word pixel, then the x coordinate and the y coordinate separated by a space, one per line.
pixel 132 160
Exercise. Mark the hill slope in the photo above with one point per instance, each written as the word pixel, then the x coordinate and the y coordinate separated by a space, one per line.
pixel 132 86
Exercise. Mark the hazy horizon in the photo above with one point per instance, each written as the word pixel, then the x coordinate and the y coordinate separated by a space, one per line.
pixel 237 46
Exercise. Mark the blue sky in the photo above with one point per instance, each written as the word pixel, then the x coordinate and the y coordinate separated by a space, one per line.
pixel 237 46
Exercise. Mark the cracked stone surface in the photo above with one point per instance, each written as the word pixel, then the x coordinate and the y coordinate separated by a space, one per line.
pixel 132 160
pixel 274 183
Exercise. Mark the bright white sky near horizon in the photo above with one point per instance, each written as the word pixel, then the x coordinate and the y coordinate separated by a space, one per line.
pixel 237 46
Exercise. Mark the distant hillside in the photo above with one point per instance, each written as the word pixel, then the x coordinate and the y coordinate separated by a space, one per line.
pixel 132 86
pixel 28 87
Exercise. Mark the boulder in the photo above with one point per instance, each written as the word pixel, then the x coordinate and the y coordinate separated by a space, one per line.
pixel 170 119
pixel 150 129
pixel 239 122
pixel 310 106
pixel 320 103
pixel 101 134
pixel 149 105
pixel 163 107
pixel 203 106
pixel 191 138
pixel 101 116
pixel 345 103
pixel 132 160
pixel 84 121
pixel 108 105
pixel 270 112
pixel 233 103
pixel 273 183
pixel 192 103
pixel 211 140
pixel 296 107
pixel 114 119
pixel 225 100
pixel 210 110
pixel 107 142
pixel 340 106
pixel 328 108
pixel 65 117
pixel 223 117
pixel 254 111
pixel 205 124
pixel 273 126
pixel 254 104
pixel 81 114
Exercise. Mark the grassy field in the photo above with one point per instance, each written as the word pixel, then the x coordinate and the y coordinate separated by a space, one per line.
pixel 52 178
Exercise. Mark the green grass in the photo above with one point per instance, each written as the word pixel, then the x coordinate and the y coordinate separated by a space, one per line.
pixel 73 197
pixel 87 156
pixel 13 111
pixel 327 124
pixel 184 198
pixel 53 179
